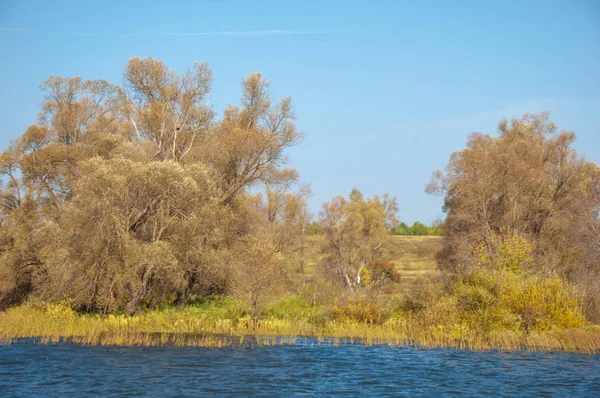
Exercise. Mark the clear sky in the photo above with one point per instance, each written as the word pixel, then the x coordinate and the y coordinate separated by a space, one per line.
pixel 384 91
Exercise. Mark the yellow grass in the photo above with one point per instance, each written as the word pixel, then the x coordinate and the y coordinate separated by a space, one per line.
pixel 414 256
pixel 203 327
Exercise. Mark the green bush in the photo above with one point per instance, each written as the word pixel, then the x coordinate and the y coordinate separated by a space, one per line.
pixel 291 308
pixel 417 229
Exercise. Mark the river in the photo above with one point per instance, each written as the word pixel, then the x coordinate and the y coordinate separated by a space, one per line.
pixel 304 369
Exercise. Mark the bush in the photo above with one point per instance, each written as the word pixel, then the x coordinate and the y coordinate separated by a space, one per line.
pixel 426 290
pixel 379 273
pixel 541 302
pixel 488 300
pixel 417 229
pixel 291 308
pixel 364 310
pixel 320 292
pixel 506 250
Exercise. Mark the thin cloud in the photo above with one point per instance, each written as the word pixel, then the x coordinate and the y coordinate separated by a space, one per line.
pixel 17 30
pixel 245 33
pixel 238 33
pixel 477 120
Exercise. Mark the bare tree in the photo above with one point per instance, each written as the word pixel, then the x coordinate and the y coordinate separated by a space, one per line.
pixel 165 108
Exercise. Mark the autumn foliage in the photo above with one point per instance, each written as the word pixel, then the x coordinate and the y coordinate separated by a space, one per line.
pixel 525 185
pixel 127 198
pixel 122 198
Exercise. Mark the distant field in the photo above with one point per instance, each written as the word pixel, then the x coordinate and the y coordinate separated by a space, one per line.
pixel 413 255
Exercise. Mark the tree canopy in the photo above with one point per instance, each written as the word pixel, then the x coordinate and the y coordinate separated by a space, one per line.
pixel 121 197
pixel 355 232
pixel 527 180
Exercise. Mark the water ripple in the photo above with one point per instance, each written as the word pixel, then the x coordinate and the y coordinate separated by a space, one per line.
pixel 305 369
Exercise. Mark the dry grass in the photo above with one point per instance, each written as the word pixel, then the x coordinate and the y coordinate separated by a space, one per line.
pixel 414 256
pixel 210 327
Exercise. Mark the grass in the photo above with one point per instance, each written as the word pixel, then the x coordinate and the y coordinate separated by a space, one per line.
pixel 414 256
pixel 225 323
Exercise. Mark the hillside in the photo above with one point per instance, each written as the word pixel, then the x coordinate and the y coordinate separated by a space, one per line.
pixel 413 255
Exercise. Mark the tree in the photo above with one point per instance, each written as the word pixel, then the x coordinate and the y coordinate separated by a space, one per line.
pixel 417 229
pixel 257 273
pixel 122 198
pixel 113 248
pixel 401 229
pixel 355 231
pixel 528 180
pixel 420 229
pixel 247 146
pixel 165 108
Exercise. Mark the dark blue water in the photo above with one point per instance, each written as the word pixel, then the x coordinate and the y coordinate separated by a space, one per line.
pixel 306 369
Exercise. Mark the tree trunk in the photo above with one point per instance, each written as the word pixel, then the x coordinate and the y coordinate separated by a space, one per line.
pixel 348 282
pixel 183 296
pixel 132 305
pixel 254 313
pixel 137 295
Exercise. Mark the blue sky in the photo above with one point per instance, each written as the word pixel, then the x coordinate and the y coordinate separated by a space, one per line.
pixel 384 91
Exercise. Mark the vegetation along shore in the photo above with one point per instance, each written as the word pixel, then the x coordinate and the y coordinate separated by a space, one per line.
pixel 133 215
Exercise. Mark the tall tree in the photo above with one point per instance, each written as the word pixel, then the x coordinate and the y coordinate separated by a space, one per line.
pixel 125 197
pixel 355 231
pixel 166 108
pixel 529 180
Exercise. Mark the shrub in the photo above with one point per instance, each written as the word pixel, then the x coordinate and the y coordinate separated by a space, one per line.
pixel 364 310
pixel 541 302
pixel 488 300
pixel 320 292
pixel 426 290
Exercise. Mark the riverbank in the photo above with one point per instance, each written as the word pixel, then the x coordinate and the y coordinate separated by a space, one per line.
pixel 221 323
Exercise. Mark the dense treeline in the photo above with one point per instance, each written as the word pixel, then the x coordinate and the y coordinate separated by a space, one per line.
pixel 417 229
pixel 137 195
pixel 124 198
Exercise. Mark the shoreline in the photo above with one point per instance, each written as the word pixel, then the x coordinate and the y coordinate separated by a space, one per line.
pixel 182 340
pixel 185 328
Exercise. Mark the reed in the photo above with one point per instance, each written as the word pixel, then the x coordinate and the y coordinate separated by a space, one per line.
pixel 224 325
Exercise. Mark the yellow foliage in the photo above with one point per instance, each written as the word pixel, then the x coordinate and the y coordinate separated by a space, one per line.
pixel 542 302
pixel 365 276
pixel 62 309
pixel 506 250
pixel 503 300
